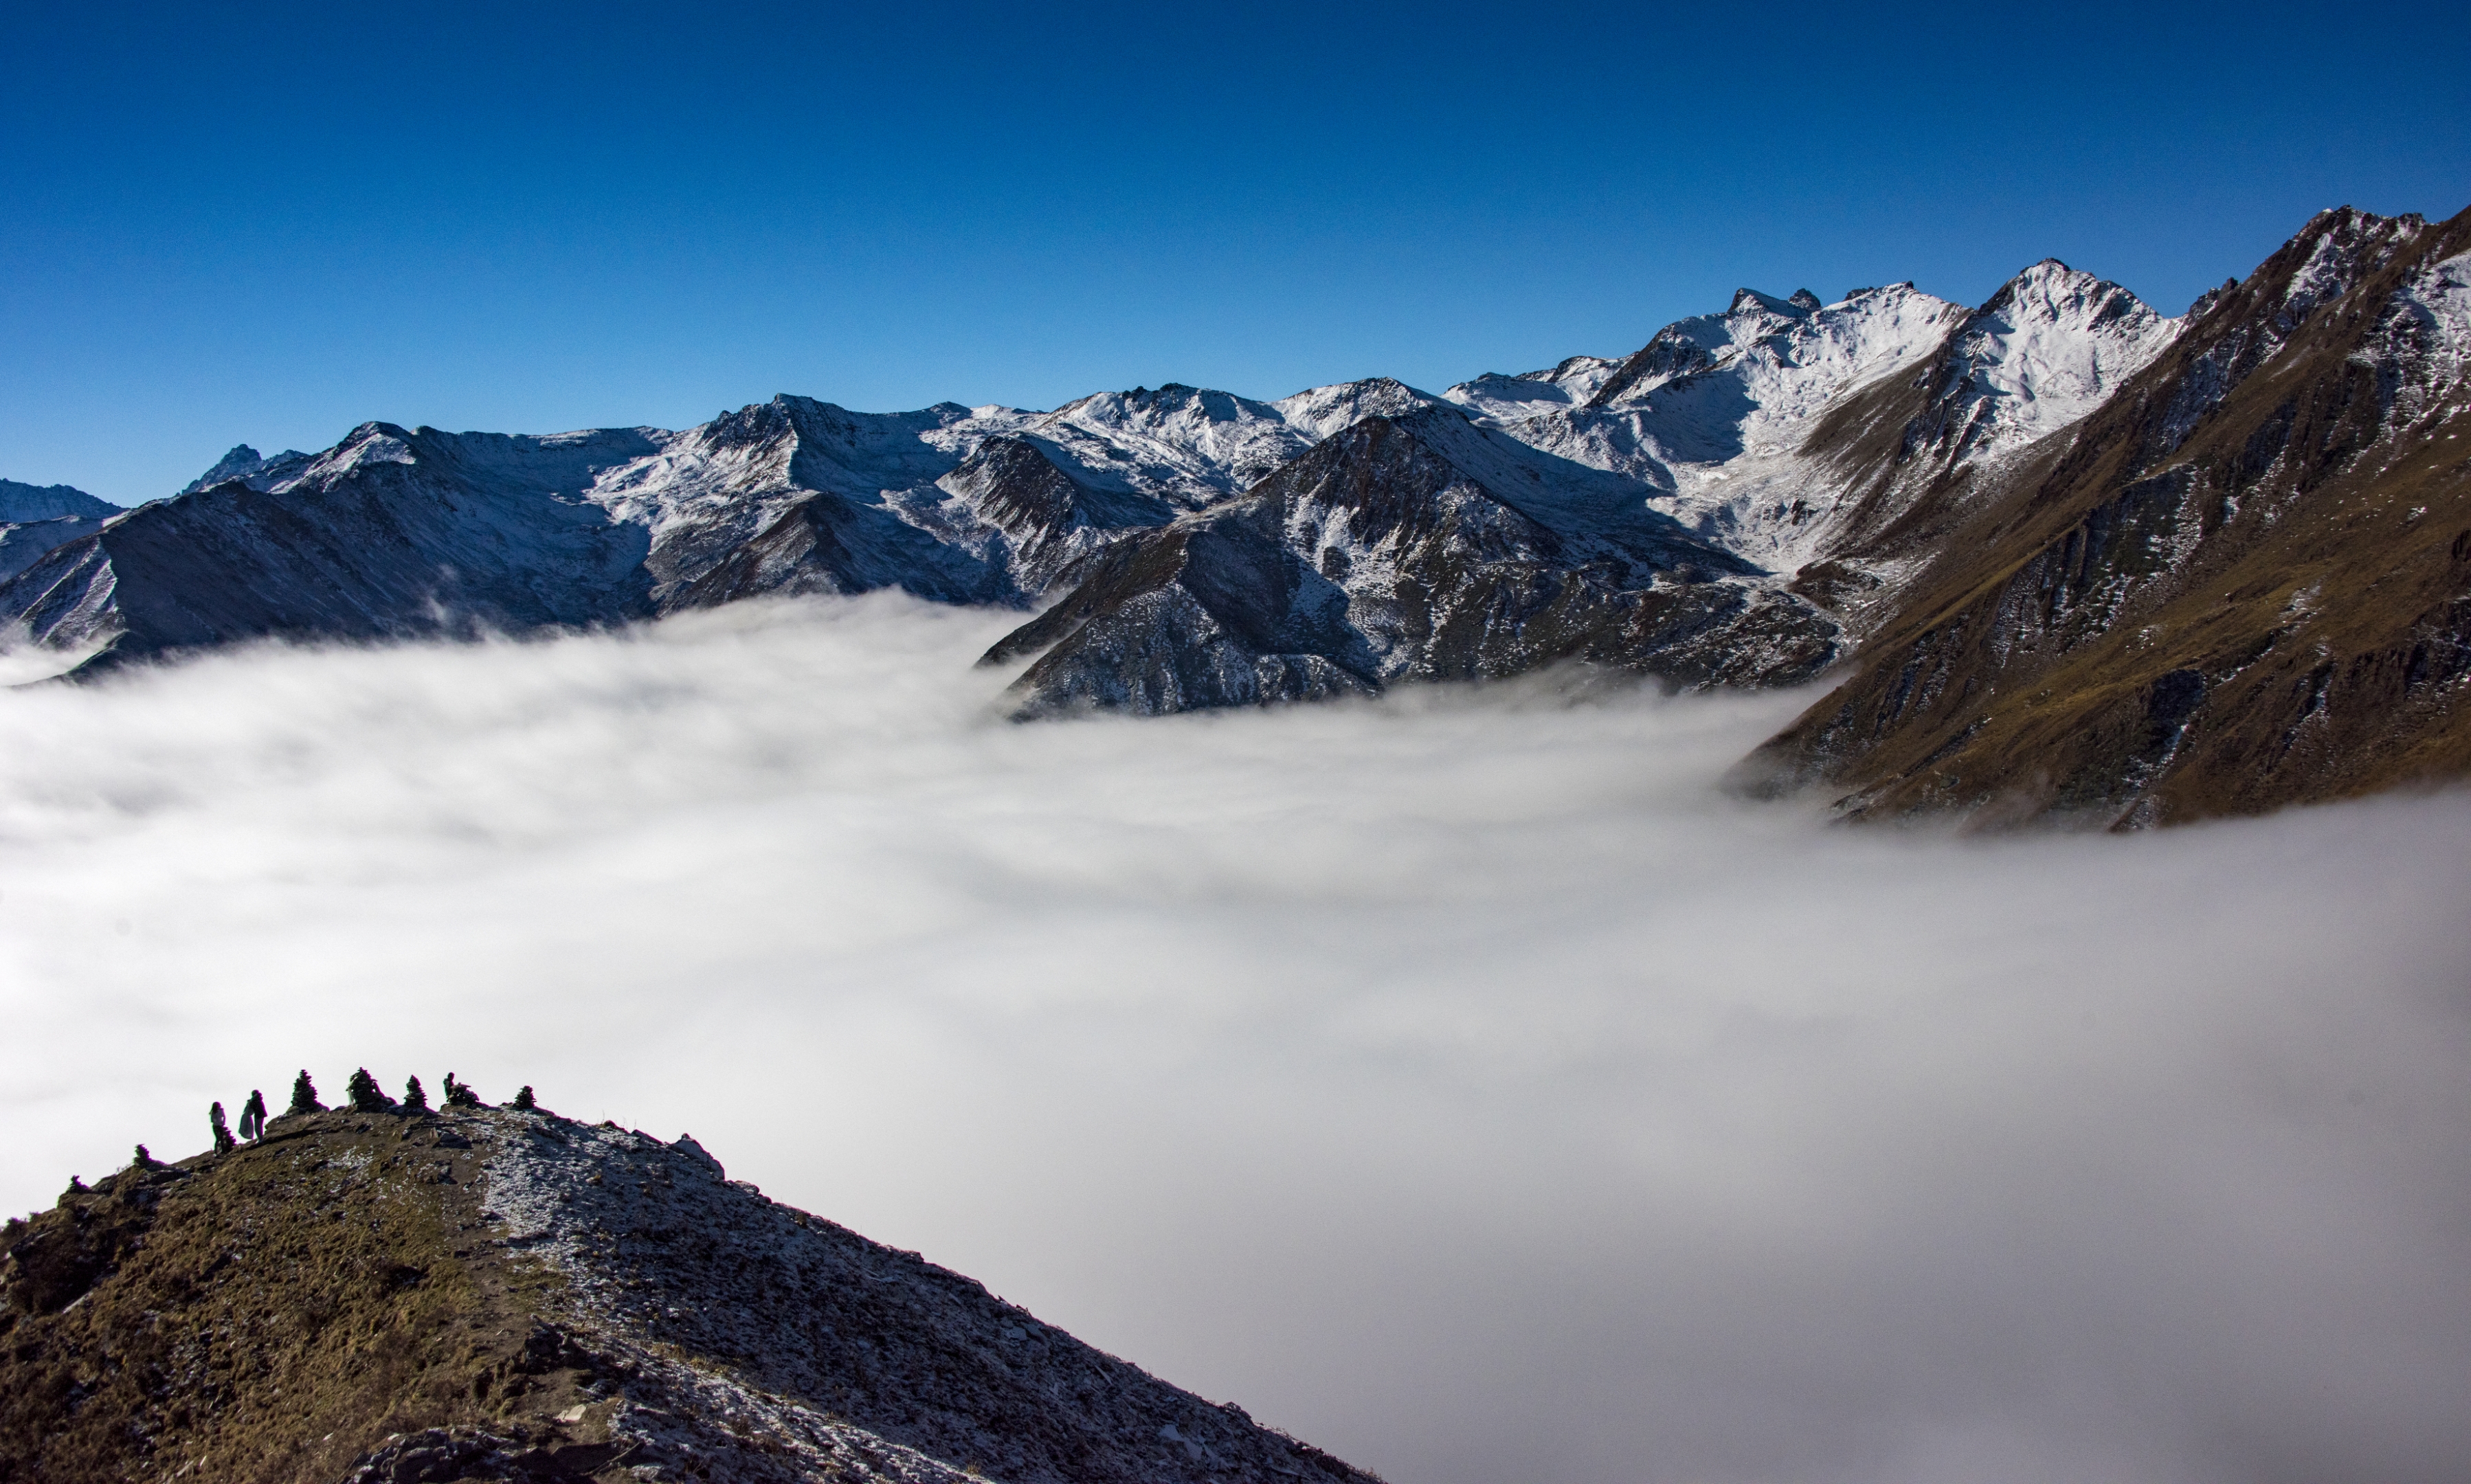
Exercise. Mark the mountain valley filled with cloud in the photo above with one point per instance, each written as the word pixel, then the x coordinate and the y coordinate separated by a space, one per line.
pixel 1460 1079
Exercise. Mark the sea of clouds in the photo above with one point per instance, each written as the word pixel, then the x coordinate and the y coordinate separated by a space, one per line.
pixel 1461 1081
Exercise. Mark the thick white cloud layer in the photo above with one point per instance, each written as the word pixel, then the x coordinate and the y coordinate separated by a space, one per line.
pixel 1458 1081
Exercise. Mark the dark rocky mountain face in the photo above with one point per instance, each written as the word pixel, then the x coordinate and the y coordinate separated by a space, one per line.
pixel 494 1294
pixel 2243 581
pixel 1416 546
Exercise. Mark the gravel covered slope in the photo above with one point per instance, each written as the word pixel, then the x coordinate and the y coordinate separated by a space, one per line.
pixel 776 1344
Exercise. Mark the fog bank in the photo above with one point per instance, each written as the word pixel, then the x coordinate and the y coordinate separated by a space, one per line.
pixel 1457 1080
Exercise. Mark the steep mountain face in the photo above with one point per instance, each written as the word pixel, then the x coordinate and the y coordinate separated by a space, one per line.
pixel 2244 580
pixel 1412 547
pixel 492 1294
pixel 794 496
pixel 1711 415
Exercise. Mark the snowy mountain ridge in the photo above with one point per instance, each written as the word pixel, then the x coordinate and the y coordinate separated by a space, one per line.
pixel 2077 557
pixel 1694 445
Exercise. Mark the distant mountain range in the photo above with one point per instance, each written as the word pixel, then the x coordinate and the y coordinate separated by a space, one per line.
pixel 34 518
pixel 2070 557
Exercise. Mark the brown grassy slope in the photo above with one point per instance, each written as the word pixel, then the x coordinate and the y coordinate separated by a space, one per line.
pixel 266 1315
pixel 2243 582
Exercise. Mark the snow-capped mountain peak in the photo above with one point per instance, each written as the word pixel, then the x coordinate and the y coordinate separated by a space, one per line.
pixel 2045 350
pixel 1318 411
pixel 1188 445
pixel 243 463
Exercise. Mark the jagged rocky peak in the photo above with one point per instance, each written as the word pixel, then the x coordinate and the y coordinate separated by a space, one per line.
pixel 2204 302
pixel 2343 248
pixel 472 1293
pixel 1189 445
pixel 2248 323
pixel 1794 306
pixel 760 424
pixel 240 461
pixel 245 465
pixel 788 414
pixel 370 444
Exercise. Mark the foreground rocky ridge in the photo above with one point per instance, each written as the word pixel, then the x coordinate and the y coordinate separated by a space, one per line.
pixel 502 1294
pixel 1985 515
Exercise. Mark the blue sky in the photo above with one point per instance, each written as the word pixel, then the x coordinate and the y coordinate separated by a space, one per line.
pixel 230 224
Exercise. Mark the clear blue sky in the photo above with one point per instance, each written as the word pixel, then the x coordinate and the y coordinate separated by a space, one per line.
pixel 230 224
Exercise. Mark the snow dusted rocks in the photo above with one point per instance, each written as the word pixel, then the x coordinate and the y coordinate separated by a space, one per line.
pixel 732 1339
pixel 1412 547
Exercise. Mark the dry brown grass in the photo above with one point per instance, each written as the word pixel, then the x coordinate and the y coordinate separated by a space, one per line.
pixel 270 1314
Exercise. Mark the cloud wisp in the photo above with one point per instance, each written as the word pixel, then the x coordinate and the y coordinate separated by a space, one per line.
pixel 1457 1080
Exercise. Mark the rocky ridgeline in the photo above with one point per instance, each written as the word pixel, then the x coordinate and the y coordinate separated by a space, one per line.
pixel 475 1293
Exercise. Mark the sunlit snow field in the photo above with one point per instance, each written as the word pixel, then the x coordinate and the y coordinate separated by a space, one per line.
pixel 1459 1081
